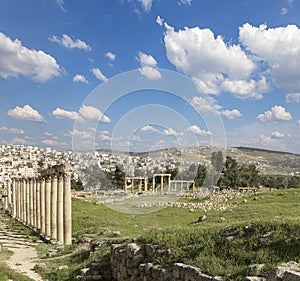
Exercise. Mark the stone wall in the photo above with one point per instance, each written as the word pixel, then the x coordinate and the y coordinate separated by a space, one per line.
pixel 131 263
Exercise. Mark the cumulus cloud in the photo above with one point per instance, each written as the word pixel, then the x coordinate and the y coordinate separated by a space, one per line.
pixel 298 122
pixel 150 72
pixel 148 66
pixel 209 104
pixel 105 136
pixel 231 114
pixel 50 142
pixel 146 60
pixel 81 134
pixel 65 114
pixel 277 135
pixel 98 74
pixel 111 56
pixel 159 20
pixel 26 113
pixel 279 48
pixel 198 131
pixel 170 132
pixel 66 41
pixel 78 78
pixel 93 113
pixel 268 141
pixel 149 129
pixel 15 131
pixel 277 113
pixel 294 97
pixel 16 59
pixel 213 64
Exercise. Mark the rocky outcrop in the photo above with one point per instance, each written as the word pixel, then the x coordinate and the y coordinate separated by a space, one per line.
pixel 131 262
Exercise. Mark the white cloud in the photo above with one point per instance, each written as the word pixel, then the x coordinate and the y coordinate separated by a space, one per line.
pixel 20 141
pixel 231 114
pixel 105 135
pixel 298 122
pixel 290 2
pixel 196 130
pixel 111 56
pixel 277 113
pixel 184 2
pixel 15 60
pixel 69 43
pixel 279 49
pixel 159 20
pixel 61 5
pixel 294 97
pixel 80 79
pixel 149 129
pixel 208 104
pixel 148 64
pixel 15 131
pixel 270 142
pixel 150 72
pixel 81 134
pixel 283 11
pixel 62 113
pixel 146 60
pixel 146 4
pixel 213 64
pixel 25 113
pixel 170 132
pixel 93 113
pixel 277 135
pixel 99 75
pixel 53 143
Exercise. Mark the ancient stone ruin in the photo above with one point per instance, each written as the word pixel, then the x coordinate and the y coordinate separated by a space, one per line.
pixel 43 203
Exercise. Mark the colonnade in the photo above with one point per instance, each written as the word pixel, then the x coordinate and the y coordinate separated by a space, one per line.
pixel 44 203
pixel 130 184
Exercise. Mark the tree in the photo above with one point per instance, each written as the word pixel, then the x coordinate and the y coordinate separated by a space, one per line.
pixel 201 175
pixel 230 174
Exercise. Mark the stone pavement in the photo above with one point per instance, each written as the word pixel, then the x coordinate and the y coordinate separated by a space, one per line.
pixel 23 248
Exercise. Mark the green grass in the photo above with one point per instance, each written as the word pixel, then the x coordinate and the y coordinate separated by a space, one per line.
pixel 199 244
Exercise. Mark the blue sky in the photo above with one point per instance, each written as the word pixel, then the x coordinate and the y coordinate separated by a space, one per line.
pixel 60 61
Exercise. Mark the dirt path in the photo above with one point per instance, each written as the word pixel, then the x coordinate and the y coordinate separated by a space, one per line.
pixel 24 251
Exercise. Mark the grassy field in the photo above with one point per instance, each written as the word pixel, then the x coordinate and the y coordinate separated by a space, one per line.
pixel 262 228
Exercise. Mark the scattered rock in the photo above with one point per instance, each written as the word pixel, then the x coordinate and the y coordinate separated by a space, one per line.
pixel 202 218
pixel 222 219
pixel 63 267
pixel 229 238
pixel 255 269
pixel 254 278
pixel 116 233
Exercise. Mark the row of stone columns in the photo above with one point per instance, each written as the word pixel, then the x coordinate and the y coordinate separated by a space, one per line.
pixel 44 204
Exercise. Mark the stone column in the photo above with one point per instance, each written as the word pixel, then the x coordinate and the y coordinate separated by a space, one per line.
pixel 22 199
pixel 54 208
pixel 67 210
pixel 43 206
pixel 38 205
pixel 60 210
pixel 34 203
pixel 48 207
pixel 146 184
pixel 125 185
pixel 14 194
pixel 27 202
pixel 140 184
pixel 169 183
pixel 9 192
pixel 30 183
pixel 161 183
pixel 153 183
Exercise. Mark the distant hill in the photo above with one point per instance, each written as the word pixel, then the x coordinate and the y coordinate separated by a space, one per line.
pixel 267 161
